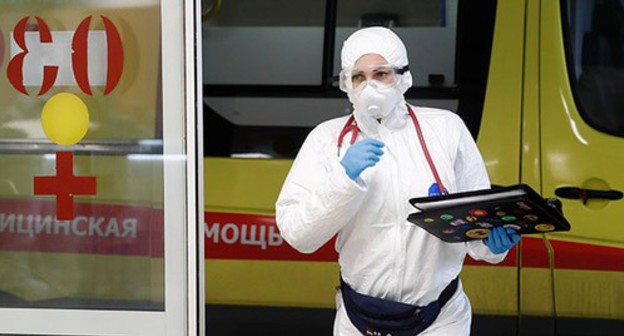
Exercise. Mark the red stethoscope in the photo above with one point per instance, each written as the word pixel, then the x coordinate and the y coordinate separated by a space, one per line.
pixel 351 126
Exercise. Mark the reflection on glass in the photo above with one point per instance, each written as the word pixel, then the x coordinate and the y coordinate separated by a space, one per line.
pixel 81 225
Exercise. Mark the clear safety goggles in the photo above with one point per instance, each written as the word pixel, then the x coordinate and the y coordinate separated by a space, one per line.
pixel 384 76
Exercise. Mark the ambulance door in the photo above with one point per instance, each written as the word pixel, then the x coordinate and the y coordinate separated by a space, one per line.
pixel 100 182
pixel 582 144
pixel 495 303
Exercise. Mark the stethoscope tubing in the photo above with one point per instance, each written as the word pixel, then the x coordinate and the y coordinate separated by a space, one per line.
pixel 351 126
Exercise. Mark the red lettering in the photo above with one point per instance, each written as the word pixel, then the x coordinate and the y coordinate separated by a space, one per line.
pixel 79 55
pixel 15 68
pixel 49 71
pixel 115 55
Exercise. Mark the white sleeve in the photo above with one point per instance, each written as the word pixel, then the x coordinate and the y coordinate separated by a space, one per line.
pixel 479 251
pixel 472 175
pixel 469 168
pixel 317 198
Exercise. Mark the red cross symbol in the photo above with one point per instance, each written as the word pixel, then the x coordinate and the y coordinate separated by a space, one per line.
pixel 65 185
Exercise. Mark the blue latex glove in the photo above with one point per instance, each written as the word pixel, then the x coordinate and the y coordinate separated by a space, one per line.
pixel 501 239
pixel 361 155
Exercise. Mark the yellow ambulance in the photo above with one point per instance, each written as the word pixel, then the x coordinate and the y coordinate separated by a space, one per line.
pixel 539 84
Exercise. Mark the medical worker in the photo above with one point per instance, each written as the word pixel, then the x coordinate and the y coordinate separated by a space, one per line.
pixel 354 176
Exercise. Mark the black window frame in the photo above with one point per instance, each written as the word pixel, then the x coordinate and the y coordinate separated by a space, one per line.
pixel 474 35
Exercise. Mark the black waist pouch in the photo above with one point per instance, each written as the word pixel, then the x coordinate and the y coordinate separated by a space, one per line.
pixel 380 317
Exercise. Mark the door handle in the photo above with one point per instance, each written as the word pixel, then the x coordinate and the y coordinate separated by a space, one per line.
pixel 585 194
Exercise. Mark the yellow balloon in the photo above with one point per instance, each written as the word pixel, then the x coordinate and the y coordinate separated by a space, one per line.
pixel 65 119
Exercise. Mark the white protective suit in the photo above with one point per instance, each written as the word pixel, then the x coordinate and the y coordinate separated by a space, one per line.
pixel 381 254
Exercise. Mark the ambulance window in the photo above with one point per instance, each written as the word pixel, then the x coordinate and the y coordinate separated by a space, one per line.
pixel 427 28
pixel 595 47
pixel 270 42
pixel 270 66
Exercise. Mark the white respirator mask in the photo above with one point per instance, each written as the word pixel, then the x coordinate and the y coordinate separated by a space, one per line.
pixel 374 89
pixel 375 102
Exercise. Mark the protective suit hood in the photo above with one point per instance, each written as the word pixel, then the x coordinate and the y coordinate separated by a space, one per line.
pixel 381 41
pixel 384 42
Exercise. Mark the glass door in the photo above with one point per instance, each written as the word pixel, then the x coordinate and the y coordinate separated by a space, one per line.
pixel 100 187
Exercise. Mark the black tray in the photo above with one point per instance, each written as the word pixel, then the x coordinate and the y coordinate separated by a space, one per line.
pixel 470 215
